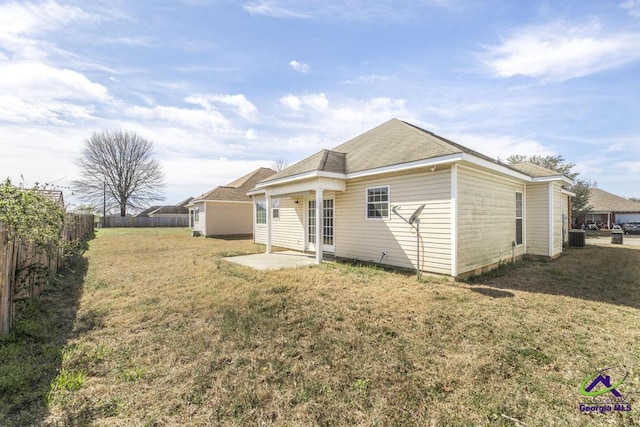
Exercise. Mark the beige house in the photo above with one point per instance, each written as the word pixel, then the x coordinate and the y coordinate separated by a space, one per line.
pixel 226 210
pixel 608 209
pixel 353 202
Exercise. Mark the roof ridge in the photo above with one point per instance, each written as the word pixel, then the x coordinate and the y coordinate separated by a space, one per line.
pixel 323 159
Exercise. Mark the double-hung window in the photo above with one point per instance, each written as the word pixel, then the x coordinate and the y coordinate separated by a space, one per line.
pixel 378 202
pixel 518 218
pixel 275 208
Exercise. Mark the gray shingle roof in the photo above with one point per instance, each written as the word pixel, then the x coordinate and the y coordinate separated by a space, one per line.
pixel 146 212
pixel 237 190
pixel 391 143
pixel 169 210
pixel 534 170
pixel 603 201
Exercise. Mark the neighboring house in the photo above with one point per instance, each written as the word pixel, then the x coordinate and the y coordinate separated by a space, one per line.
pixel 478 212
pixel 226 210
pixel 169 212
pixel 145 213
pixel 607 208
pixel 178 210
pixel 53 195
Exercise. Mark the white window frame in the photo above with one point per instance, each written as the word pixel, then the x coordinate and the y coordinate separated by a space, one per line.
pixel 521 218
pixel 275 208
pixel 261 204
pixel 366 203
pixel 196 215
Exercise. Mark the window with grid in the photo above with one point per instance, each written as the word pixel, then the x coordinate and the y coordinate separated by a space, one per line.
pixel 518 218
pixel 327 222
pixel 261 213
pixel 378 202
pixel 312 221
pixel 275 208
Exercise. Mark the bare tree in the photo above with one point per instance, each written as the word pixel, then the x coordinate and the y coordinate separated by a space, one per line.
pixel 118 168
pixel 279 165
pixel 581 187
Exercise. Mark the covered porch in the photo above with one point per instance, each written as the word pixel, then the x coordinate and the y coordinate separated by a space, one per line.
pixel 297 215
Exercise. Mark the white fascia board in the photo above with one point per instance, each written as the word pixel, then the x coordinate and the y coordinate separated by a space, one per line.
pixel 553 178
pixel 300 177
pixel 255 192
pixel 443 160
pixel 220 201
pixel 495 167
pixel 567 192
pixel 435 161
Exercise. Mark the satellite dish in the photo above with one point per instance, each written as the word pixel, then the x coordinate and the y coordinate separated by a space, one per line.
pixel 415 215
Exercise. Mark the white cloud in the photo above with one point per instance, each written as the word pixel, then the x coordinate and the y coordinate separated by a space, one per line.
pixel 499 146
pixel 40 80
pixel 251 134
pixel 312 121
pixel 633 7
pixel 22 23
pixel 239 103
pixel 299 66
pixel 370 79
pixel 291 101
pixel 203 174
pixel 560 51
pixel 26 18
pixel 196 118
pixel 631 167
pixel 270 8
pixel 317 101
pixel 340 10
pixel 38 92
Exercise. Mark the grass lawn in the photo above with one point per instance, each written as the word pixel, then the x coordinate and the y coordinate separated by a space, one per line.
pixel 161 331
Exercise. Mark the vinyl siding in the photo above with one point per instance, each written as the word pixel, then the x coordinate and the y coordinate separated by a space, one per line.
pixel 537 222
pixel 228 218
pixel 566 202
pixel 357 237
pixel 487 218
pixel 558 200
pixel 200 225
pixel 286 231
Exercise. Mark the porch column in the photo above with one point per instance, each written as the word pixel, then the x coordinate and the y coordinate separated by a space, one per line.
pixel 319 223
pixel 268 198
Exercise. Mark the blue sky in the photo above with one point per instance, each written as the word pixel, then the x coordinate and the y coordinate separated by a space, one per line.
pixel 224 86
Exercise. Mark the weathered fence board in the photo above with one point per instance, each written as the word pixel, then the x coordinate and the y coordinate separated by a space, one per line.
pixel 17 256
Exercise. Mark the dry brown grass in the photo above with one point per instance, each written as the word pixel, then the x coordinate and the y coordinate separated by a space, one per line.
pixel 167 333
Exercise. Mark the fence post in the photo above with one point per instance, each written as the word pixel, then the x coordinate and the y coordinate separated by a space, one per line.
pixel 4 282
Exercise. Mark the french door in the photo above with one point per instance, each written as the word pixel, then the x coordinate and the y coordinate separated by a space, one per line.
pixel 327 225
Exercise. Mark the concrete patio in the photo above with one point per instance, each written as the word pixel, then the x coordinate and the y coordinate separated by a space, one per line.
pixel 274 261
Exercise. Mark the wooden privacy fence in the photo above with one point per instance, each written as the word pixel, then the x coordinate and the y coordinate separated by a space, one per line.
pixel 134 221
pixel 21 262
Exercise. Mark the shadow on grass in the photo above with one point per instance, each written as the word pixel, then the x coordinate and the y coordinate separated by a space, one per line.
pixel 31 353
pixel 231 237
pixel 493 293
pixel 595 273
